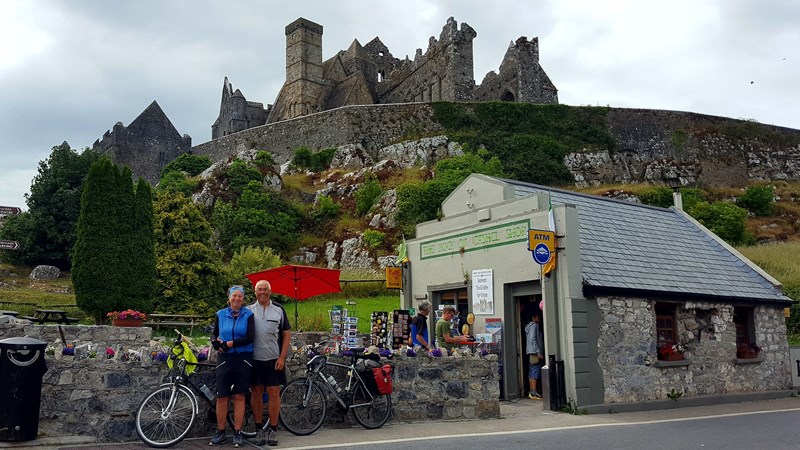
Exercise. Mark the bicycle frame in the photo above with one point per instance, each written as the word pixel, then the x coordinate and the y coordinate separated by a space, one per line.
pixel 352 378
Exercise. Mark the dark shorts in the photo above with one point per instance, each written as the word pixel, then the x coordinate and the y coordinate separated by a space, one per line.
pixel 233 374
pixel 264 374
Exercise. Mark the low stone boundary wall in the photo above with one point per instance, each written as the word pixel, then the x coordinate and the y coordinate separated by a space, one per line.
pixel 98 396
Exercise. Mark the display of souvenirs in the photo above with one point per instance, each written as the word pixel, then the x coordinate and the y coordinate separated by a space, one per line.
pixel 379 335
pixel 401 327
pixel 344 327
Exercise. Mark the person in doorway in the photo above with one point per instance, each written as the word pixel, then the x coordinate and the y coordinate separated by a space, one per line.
pixel 535 351
pixel 419 326
pixel 270 348
pixel 233 339
pixel 444 338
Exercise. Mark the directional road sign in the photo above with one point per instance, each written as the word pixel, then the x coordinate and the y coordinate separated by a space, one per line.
pixel 9 210
pixel 9 245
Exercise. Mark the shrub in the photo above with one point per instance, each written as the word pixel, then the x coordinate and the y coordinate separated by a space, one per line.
pixel 264 159
pixel 248 260
pixel 367 194
pixel 189 163
pixel 176 182
pixel 374 238
pixel 726 220
pixel 304 158
pixel 240 174
pixel 657 196
pixel 759 200
pixel 324 210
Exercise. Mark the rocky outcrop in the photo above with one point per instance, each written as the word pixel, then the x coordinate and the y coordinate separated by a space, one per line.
pixel 45 272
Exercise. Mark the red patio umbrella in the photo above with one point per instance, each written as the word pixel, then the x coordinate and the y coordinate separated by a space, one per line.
pixel 299 282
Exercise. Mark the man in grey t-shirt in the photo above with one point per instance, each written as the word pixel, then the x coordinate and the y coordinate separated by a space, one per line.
pixel 270 348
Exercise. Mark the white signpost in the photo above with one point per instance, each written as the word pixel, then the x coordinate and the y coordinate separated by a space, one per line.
pixel 9 211
pixel 482 291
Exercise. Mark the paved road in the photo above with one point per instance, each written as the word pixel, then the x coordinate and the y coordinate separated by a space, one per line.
pixel 525 425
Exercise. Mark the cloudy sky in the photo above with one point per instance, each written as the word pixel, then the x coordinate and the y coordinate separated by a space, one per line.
pixel 71 69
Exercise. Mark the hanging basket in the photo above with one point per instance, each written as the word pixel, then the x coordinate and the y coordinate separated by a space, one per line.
pixel 127 322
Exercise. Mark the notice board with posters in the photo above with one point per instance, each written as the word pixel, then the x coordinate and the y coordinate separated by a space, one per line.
pixel 401 327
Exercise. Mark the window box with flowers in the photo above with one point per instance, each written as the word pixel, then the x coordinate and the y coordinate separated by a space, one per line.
pixel 670 352
pixel 747 351
pixel 127 318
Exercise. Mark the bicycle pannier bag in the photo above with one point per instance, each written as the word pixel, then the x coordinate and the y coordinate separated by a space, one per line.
pixel 383 379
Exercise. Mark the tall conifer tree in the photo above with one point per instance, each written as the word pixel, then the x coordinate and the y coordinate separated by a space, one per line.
pixel 143 270
pixel 95 255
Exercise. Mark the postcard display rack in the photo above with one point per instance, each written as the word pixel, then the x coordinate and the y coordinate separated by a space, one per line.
pixel 344 328
pixel 379 336
pixel 401 327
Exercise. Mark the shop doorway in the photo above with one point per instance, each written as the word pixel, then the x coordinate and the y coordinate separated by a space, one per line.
pixel 526 307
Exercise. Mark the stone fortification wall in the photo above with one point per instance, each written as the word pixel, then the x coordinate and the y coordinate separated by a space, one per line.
pixel 696 149
pixel 631 373
pixel 98 397
pixel 373 127
pixel 650 145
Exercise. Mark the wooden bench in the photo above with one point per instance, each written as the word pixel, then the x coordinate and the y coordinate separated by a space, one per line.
pixel 175 320
pixel 42 316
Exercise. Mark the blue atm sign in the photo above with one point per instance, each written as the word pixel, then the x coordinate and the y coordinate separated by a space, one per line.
pixel 542 244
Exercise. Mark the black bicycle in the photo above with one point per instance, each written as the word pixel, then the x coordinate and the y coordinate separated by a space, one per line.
pixel 304 400
pixel 168 413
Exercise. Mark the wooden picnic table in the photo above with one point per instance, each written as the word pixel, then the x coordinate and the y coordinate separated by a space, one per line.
pixel 5 312
pixel 42 316
pixel 175 320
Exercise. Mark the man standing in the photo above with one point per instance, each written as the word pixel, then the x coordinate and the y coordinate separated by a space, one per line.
pixel 444 338
pixel 419 326
pixel 270 348
pixel 535 351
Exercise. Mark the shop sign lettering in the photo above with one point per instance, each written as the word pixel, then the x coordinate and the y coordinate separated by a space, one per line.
pixel 493 236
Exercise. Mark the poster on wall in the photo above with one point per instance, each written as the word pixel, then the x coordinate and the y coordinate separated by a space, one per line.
pixel 482 291
pixel 494 327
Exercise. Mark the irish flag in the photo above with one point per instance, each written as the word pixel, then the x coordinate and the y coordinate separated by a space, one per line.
pixel 551 225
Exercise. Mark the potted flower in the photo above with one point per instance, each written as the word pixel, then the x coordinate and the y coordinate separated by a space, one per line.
pixel 127 318
pixel 747 351
pixel 670 352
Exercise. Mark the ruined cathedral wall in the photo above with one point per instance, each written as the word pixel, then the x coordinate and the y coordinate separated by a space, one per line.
pixel 444 72
pixel 372 126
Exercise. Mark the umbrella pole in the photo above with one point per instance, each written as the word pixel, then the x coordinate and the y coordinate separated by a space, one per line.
pixel 295 314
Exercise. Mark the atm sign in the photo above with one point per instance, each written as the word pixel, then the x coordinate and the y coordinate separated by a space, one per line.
pixel 536 237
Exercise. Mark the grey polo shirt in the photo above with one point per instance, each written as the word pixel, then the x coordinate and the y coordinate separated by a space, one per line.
pixel 270 322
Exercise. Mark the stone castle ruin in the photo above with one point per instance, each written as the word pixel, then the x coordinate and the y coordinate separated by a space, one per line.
pixel 369 74
pixel 148 144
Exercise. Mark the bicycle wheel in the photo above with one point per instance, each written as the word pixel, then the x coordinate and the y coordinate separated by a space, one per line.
pixel 296 417
pixel 249 424
pixel 162 419
pixel 371 412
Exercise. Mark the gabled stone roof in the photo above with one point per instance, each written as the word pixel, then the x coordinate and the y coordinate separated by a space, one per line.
pixel 639 247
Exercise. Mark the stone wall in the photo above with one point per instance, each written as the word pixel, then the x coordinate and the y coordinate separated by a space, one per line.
pixel 650 145
pixel 373 127
pixel 632 373
pixel 98 397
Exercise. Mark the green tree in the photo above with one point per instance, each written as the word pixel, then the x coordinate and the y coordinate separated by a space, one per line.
pixel 192 164
pixel 260 218
pixel 420 202
pixel 176 182
pixel 240 174
pixel 100 257
pixel 143 268
pixel 324 210
pixel 47 231
pixel 190 275
pixel 249 260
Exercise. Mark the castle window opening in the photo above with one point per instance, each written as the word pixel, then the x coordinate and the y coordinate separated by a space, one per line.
pixel 380 53
pixel 507 97
pixel 380 76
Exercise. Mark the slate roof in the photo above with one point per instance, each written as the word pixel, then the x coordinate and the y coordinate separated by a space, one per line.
pixel 632 246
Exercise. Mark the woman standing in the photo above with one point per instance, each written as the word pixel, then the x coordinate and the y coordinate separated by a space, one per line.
pixel 233 339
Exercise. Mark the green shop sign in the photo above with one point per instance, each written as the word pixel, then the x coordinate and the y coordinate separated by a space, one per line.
pixel 494 236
